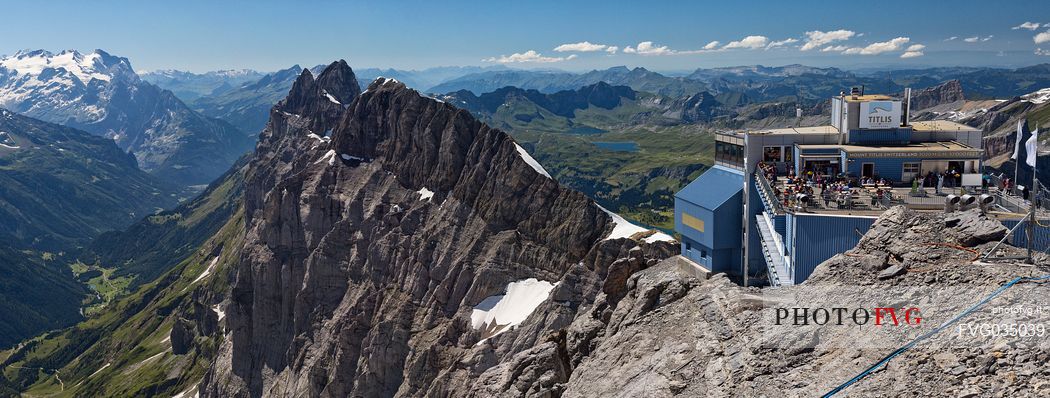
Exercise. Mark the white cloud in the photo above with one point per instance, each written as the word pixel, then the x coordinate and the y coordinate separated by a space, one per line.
pixel 951 38
pixel 612 49
pixel 1027 25
pixel 712 45
pixel 647 48
pixel 816 39
pixel 976 38
pixel 781 43
pixel 834 48
pixel 530 56
pixel 750 42
pixel 911 54
pixel 583 46
pixel 1042 37
pixel 1040 51
pixel 915 47
pixel 879 47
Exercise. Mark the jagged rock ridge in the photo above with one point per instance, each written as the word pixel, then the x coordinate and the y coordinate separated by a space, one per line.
pixel 351 283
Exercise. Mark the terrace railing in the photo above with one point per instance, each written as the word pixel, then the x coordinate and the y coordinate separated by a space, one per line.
pixel 765 190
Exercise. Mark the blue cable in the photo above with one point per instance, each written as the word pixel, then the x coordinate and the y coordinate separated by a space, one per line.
pixel 929 334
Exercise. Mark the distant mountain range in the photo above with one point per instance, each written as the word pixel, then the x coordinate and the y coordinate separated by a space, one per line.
pixel 639 79
pixel 189 86
pixel 760 83
pixel 59 189
pixel 101 94
pixel 247 107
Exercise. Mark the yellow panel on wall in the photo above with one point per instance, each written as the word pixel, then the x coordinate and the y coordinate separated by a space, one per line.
pixel 693 222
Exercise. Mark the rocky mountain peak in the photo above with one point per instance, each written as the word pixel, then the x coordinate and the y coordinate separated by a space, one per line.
pixel 303 89
pixel 335 85
pixel 412 211
pixel 338 83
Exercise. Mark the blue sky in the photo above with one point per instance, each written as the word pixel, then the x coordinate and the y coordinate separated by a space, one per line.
pixel 269 35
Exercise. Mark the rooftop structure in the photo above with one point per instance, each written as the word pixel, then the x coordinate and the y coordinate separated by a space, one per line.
pixel 780 201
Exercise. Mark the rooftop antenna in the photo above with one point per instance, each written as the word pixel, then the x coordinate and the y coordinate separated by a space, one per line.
pixel 843 120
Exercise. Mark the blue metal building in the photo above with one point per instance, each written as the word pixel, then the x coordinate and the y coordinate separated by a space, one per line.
pixel 708 217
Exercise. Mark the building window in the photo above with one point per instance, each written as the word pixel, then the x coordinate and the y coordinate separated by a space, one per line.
pixel 730 154
pixel 911 167
pixel 789 153
pixel 703 253
pixel 688 247
pixel 772 154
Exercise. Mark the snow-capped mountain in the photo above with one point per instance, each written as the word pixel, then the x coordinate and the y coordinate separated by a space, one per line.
pixel 100 93
pixel 41 84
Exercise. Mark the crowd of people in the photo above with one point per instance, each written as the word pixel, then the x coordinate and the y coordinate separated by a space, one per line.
pixel 833 191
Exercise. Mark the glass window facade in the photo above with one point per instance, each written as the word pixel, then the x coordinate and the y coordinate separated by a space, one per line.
pixel 729 154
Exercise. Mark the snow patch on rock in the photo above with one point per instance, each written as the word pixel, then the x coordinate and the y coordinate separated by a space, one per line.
pixel 218 310
pixel 659 237
pixel 329 156
pixel 352 157
pixel 425 194
pixel 186 394
pixel 1038 97
pixel 621 227
pixel 207 271
pixel 499 313
pixel 330 97
pixel 531 161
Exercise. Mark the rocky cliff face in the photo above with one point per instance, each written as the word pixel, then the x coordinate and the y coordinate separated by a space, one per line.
pixel 701 107
pixel 675 333
pixel 944 93
pixel 376 222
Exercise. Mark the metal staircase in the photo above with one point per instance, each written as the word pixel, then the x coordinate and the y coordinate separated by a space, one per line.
pixel 765 191
pixel 778 268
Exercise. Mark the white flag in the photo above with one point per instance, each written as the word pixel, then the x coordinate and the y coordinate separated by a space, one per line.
pixel 1032 146
pixel 1017 139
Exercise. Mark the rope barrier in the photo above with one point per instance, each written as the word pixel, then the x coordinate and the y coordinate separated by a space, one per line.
pixel 871 369
pixel 976 254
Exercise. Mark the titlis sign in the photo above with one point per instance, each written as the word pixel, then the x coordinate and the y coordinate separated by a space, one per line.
pixel 880 114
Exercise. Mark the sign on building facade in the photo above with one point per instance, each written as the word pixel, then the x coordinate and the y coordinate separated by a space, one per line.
pixel 880 114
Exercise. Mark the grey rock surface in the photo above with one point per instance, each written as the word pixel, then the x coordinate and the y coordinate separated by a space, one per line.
pixel 352 284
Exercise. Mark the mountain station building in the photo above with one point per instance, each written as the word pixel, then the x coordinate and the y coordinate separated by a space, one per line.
pixel 735 219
